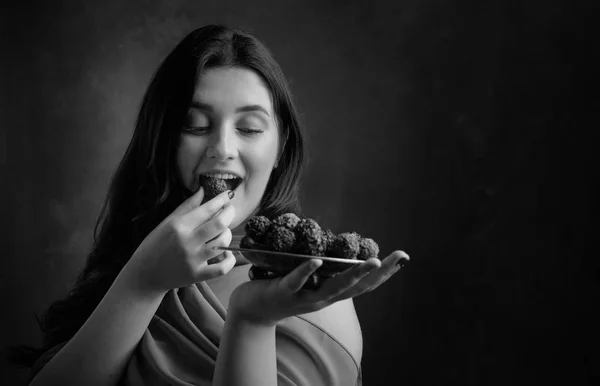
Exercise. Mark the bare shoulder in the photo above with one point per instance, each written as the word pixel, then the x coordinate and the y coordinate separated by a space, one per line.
pixel 339 312
pixel 340 321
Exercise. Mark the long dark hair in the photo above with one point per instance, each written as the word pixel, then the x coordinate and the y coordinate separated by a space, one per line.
pixel 145 187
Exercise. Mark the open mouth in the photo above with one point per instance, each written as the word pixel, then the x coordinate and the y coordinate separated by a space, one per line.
pixel 215 184
pixel 233 183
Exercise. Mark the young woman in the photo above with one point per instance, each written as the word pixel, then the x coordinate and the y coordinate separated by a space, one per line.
pixel 156 304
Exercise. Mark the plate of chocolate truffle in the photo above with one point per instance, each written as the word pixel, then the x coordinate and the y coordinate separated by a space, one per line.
pixel 278 245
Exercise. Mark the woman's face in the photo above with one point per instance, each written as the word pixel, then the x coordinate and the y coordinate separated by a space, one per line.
pixel 230 128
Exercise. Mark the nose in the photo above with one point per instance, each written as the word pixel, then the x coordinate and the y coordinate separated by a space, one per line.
pixel 221 144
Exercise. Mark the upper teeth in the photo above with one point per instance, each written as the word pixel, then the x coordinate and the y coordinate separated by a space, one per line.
pixel 222 176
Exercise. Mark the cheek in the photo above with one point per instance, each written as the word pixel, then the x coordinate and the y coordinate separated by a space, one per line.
pixel 259 165
pixel 187 154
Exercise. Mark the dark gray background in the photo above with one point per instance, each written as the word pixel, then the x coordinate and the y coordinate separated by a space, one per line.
pixel 460 131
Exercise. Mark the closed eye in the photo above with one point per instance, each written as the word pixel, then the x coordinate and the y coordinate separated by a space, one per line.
pixel 198 130
pixel 201 130
pixel 249 131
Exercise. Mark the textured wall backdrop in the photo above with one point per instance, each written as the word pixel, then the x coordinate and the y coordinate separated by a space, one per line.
pixel 457 131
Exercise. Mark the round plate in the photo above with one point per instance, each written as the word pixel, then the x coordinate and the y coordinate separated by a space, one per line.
pixel 283 262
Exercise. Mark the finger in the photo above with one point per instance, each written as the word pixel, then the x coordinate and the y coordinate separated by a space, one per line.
pixel 389 266
pixel 216 225
pixel 294 280
pixel 189 204
pixel 216 259
pixel 394 261
pixel 199 214
pixel 206 250
pixel 207 272
pixel 397 260
pixel 257 273
pixel 349 278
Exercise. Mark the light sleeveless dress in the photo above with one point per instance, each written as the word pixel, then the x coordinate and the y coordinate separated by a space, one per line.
pixel 180 345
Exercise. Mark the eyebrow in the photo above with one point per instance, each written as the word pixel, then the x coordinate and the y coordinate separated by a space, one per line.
pixel 244 109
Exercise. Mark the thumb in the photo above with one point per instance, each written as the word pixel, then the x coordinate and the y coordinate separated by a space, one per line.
pixel 192 202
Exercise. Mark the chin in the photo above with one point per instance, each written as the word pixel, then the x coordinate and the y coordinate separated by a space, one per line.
pixel 242 214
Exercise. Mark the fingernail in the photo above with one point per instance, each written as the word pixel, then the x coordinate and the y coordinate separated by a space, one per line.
pixel 402 262
pixel 315 263
pixel 231 193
